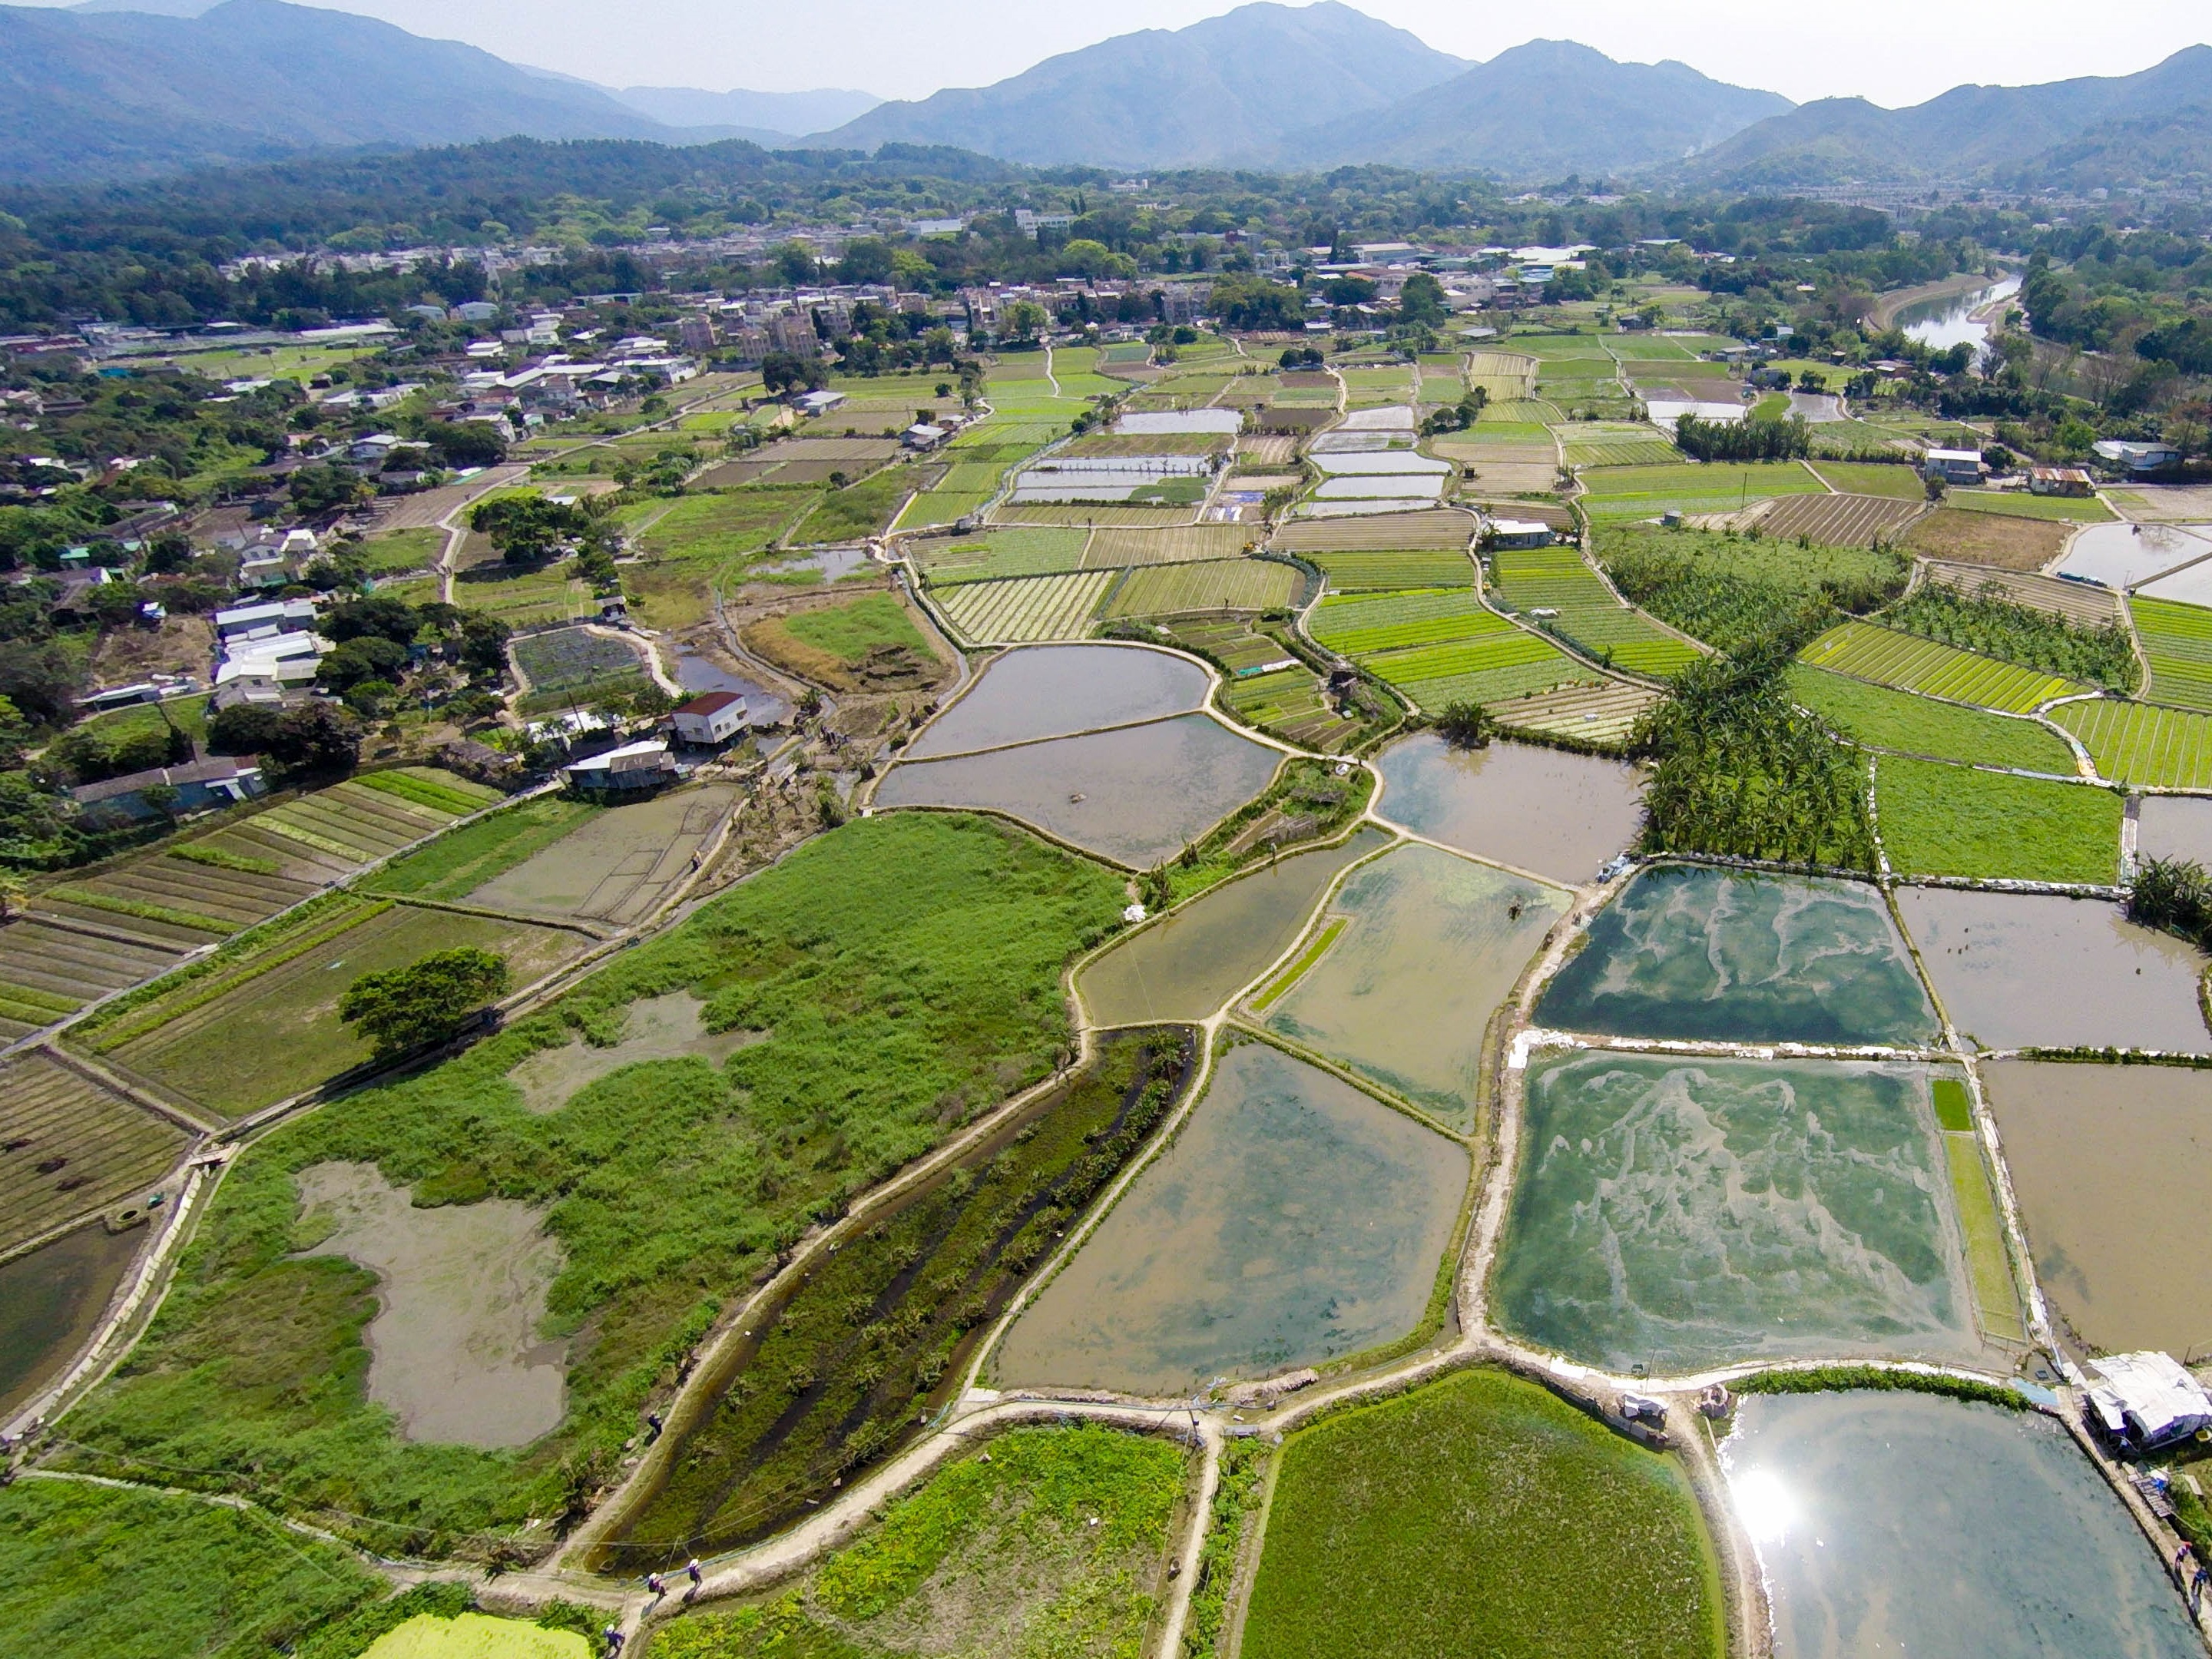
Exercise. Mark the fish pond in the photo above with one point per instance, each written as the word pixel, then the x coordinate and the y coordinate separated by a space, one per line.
pixel 1185 966
pixel 1906 1523
pixel 50 1302
pixel 1680 1214
pixel 1696 953
pixel 2174 827
pixel 2107 1162
pixel 2129 555
pixel 1136 795
pixel 1294 1220
pixel 1052 690
pixel 1540 810
pixel 2015 969
pixel 1417 952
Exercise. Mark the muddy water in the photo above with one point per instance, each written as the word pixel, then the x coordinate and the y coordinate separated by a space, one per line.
pixel 1189 965
pixel 1559 815
pixel 1901 1523
pixel 1682 1214
pixel 696 674
pixel 2129 555
pixel 1294 1220
pixel 615 865
pixel 50 1302
pixel 1431 946
pixel 454 1350
pixel 1699 953
pixel 2016 968
pixel 2175 827
pixel 2112 1164
pixel 659 1028
pixel 1137 796
pixel 1050 690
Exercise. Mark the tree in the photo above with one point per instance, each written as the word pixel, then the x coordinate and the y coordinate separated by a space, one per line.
pixel 1466 725
pixel 466 443
pixel 1422 299
pixel 1348 290
pixel 1254 303
pixel 244 728
pixel 329 489
pixel 360 661
pixel 1024 319
pixel 530 529
pixel 1937 489
pixel 430 1001
pixel 314 740
pixel 379 616
pixel 783 372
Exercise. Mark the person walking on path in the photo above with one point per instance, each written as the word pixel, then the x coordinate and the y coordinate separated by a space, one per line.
pixel 691 1572
pixel 652 1583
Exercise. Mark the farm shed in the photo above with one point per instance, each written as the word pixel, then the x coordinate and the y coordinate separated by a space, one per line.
pixel 1958 466
pixel 1519 533
pixel 2146 1401
pixel 635 766
pixel 2059 481
pixel 715 717
pixel 221 781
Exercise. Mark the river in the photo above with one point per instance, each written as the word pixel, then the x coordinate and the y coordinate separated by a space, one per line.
pixel 1950 320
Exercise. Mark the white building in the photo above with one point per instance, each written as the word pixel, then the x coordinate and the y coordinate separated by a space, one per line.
pixel 2146 1401
pixel 1957 467
pixel 715 717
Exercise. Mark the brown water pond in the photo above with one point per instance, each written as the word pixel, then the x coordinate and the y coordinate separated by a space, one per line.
pixel 50 1302
pixel 454 1350
pixel 1294 1220
pixel 2175 827
pixel 2021 969
pixel 1052 690
pixel 2111 1165
pixel 1540 810
pixel 1136 795
pixel 1186 966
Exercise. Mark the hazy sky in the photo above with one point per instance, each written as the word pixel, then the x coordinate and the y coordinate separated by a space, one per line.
pixel 1891 50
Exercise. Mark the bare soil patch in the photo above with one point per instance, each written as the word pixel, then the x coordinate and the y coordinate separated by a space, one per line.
pixel 659 1028
pixel 1991 539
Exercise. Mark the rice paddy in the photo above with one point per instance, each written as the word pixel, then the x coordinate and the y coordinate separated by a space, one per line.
pixel 1025 609
pixel 1555 814
pixel 1881 718
pixel 1051 692
pixel 1442 647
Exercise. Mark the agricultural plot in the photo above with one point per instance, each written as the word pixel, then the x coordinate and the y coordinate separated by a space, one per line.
pixel 996 554
pixel 2177 640
pixel 519 597
pixel 1359 627
pixel 1598 443
pixel 1935 819
pixel 1901 483
pixel 1588 615
pixel 1027 608
pixel 2141 743
pixel 1377 572
pixel 1507 375
pixel 2019 504
pixel 1443 529
pixel 1214 584
pixel 1881 718
pixel 1991 538
pixel 1485 669
pixel 1645 492
pixel 568 658
pixel 1840 521
pixel 1908 663
pixel 1269 686
pixel 1603 713
pixel 1113 547
pixel 1474 1515
pixel 1091 514
pixel 614 866
pixel 2077 602
pixel 73 1148
pixel 719 527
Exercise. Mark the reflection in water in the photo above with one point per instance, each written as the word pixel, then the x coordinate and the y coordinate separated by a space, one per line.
pixel 1136 795
pixel 2020 969
pixel 1293 1220
pixel 1542 810
pixel 1051 690
pixel 1700 953
pixel 1939 325
pixel 1189 964
pixel 1906 1524
pixel 1680 1214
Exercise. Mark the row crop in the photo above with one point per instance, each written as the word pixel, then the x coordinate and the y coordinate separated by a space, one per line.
pixel 1909 664
pixel 2140 743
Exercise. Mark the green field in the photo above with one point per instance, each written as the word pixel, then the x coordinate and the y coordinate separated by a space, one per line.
pixel 1382 573
pixel 1911 664
pixel 1357 626
pixel 398 551
pixel 1644 492
pixel 1728 590
pixel 1882 718
pixel 1167 590
pixel 188 714
pixel 2141 742
pixel 850 631
pixel 2066 509
pixel 866 509
pixel 457 863
pixel 906 970
pixel 1444 647
pixel 2177 640
pixel 1482 1515
pixel 1067 1527
pixel 1037 551
pixel 718 527
pixel 1900 482
pixel 1589 616
pixel 1939 820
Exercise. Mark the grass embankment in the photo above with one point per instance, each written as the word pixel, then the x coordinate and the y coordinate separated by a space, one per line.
pixel 1307 802
pixel 1481 1514
pixel 866 509
pixel 1939 820
pixel 1237 1498
pixel 1881 718
pixel 883 1327
pixel 1996 627
pixel 906 970
pixel 869 643
pixel 1047 1544
pixel 456 865
pixel 1730 591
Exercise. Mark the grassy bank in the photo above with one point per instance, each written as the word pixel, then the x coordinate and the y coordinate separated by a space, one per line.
pixel 1939 820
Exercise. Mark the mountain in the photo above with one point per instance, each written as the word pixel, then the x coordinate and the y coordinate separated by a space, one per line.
pixel 1541 111
pixel 2015 133
pixel 123 94
pixel 1231 87
pixel 747 114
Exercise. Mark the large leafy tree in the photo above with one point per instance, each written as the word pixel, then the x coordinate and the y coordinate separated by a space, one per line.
pixel 428 1001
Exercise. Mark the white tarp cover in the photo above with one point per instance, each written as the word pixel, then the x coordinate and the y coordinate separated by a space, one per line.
pixel 2151 1396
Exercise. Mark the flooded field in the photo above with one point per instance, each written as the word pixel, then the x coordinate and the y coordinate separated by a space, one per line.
pixel 1698 953
pixel 2175 827
pixel 1431 944
pixel 1678 1215
pixel 659 1028
pixel 1189 964
pixel 1051 690
pixel 2107 1162
pixel 454 1349
pixel 698 673
pixel 2020 969
pixel 1293 1221
pixel 1540 810
pixel 1136 795
pixel 2129 555
pixel 616 866
pixel 1902 1523
pixel 50 1302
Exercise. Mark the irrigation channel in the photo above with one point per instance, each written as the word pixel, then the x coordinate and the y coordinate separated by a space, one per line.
pixel 1569 1083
